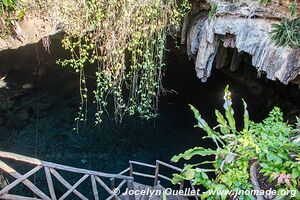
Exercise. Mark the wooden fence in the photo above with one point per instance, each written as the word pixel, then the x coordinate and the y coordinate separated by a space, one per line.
pixel 50 170
pixel 157 176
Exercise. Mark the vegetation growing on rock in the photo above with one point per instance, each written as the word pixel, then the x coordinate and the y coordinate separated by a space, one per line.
pixel 106 33
pixel 287 33
pixel 109 32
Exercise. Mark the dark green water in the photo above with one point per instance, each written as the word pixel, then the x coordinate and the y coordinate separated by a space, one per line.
pixel 52 105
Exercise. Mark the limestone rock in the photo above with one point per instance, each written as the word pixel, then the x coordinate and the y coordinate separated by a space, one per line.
pixel 252 37
pixel 30 30
pixel 253 8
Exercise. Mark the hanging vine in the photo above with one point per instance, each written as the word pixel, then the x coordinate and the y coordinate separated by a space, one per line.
pixel 105 32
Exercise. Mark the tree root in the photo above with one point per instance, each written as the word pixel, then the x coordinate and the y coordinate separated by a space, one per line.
pixel 254 181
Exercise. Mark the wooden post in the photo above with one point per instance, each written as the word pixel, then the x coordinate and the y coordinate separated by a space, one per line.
pixel 193 188
pixel 131 169
pixel 130 187
pixel 113 186
pixel 112 183
pixel 181 185
pixel 156 173
pixel 94 186
pixel 50 183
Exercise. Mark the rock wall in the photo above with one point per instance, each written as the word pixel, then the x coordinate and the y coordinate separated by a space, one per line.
pixel 30 30
pixel 243 27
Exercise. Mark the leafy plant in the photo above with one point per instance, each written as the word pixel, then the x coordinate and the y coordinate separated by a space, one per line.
pixel 266 1
pixel 7 5
pixel 11 12
pixel 213 11
pixel 102 33
pixel 286 33
pixel 7 8
pixel 294 8
pixel 268 143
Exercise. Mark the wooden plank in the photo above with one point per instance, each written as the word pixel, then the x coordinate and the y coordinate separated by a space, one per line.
pixel 74 187
pixel 23 179
pixel 181 185
pixel 169 166
pixel 111 197
pixel 16 197
pixel 156 173
pixel 94 186
pixel 112 183
pixel 104 185
pixel 131 169
pixel 85 171
pixel 106 188
pixel 66 184
pixel 19 179
pixel 124 171
pixel 121 184
pixel 143 175
pixel 142 164
pixel 193 188
pixel 119 188
pixel 113 186
pixel 50 183
pixel 164 177
pixel 34 161
pixel 21 158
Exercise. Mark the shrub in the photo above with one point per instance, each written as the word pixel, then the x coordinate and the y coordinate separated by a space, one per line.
pixel 287 33
pixel 267 143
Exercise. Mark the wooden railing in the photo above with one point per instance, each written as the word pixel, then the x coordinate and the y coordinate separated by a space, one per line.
pixel 157 176
pixel 50 170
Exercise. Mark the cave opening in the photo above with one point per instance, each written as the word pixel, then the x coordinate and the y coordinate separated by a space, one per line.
pixel 39 101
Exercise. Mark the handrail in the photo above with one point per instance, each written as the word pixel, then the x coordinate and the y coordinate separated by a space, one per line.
pixel 156 167
pixel 50 170
pixel 142 164
pixel 169 166
pixel 35 161
pixel 157 175
pixel 95 178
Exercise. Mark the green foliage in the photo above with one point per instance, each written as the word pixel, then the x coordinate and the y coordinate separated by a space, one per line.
pixel 266 1
pixel 268 142
pixel 7 5
pixel 294 8
pixel 110 30
pixel 286 33
pixel 213 11
pixel 7 9
pixel 11 12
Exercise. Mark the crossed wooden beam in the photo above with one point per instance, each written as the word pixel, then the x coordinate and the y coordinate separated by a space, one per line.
pixel 50 169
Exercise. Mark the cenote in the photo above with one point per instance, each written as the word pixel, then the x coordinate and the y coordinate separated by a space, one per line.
pixel 42 101
pixel 98 97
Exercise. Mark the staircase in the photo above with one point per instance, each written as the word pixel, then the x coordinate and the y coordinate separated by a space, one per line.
pixel 96 179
